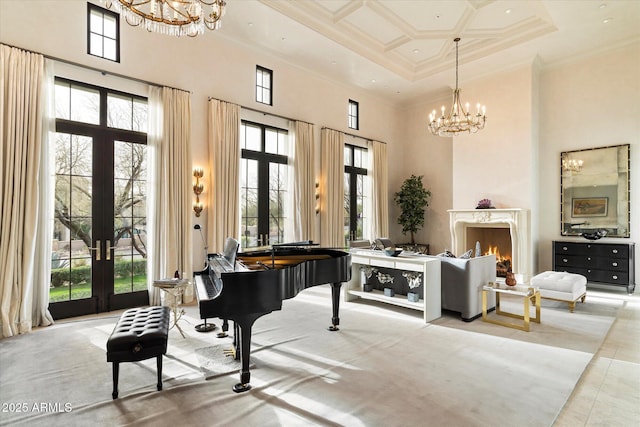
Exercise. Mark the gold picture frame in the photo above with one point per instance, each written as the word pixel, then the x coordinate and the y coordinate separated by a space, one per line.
pixel 589 206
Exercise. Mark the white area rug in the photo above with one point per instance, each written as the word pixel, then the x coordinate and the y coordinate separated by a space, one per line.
pixel 385 367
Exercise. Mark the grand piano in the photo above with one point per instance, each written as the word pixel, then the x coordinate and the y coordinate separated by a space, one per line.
pixel 259 281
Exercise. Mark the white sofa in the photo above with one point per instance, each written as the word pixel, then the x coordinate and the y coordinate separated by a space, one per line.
pixel 461 284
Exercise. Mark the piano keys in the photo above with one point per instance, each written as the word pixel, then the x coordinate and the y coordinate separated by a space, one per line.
pixel 259 283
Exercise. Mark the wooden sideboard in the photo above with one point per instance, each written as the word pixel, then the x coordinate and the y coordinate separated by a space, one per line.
pixel 429 268
pixel 606 263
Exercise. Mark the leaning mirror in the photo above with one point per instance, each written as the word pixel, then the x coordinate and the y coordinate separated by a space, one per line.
pixel 594 192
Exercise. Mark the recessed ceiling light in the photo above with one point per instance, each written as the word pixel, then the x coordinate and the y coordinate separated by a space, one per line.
pixel 416 50
pixel 508 11
pixel 250 24
pixel 602 6
pixel 373 80
pixel 607 20
pixel 438 16
pixel 333 62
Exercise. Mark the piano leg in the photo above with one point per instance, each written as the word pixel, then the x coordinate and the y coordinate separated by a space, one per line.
pixel 335 302
pixel 244 325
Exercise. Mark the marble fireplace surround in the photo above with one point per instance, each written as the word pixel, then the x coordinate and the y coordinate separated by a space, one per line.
pixel 515 219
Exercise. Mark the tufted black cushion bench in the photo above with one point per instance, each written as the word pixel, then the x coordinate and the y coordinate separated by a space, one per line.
pixel 140 334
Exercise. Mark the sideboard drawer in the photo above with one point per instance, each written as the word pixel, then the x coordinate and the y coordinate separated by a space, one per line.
pixel 611 251
pixel 570 248
pixel 607 277
pixel 570 260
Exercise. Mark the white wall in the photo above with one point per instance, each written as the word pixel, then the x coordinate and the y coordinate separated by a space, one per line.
pixel 591 102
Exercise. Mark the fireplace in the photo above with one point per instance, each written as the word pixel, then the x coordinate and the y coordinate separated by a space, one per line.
pixel 493 241
pixel 505 231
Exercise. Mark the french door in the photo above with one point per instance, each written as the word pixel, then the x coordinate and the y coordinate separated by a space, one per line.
pixel 99 245
pixel 263 184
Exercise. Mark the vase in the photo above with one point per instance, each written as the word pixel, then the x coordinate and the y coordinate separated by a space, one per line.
pixel 511 279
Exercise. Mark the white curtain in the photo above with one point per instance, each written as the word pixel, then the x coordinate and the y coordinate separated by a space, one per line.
pixel 223 219
pixel 24 279
pixel 169 180
pixel 304 210
pixel 379 190
pixel 332 189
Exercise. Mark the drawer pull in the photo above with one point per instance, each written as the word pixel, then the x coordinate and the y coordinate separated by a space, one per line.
pixel 615 277
pixel 588 258
pixel 588 271
pixel 564 260
pixel 615 264
pixel 615 251
pixel 564 248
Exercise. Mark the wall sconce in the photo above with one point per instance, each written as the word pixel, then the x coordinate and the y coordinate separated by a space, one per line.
pixel 198 188
pixel 317 197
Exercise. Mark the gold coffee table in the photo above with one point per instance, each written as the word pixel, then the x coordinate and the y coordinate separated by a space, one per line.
pixel 529 294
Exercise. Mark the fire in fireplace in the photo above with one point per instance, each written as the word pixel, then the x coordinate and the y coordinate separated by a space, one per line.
pixel 503 262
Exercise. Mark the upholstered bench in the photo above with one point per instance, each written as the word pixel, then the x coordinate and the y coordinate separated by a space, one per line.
pixel 561 286
pixel 140 334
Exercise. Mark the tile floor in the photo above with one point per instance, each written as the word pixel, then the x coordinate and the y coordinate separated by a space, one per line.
pixel 608 394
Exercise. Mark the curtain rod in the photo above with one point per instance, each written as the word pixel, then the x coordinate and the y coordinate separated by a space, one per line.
pixel 353 135
pixel 104 73
pixel 262 112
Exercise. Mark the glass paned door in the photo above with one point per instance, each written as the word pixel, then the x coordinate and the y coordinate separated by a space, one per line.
pixel 129 241
pixel 263 185
pixel 99 252
pixel 71 254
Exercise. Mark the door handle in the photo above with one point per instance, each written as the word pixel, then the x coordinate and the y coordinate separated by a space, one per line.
pixel 97 249
pixel 108 248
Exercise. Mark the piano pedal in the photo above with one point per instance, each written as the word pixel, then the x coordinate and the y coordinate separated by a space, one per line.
pixel 229 352
pixel 205 327
pixel 239 388
pixel 222 334
pixel 333 328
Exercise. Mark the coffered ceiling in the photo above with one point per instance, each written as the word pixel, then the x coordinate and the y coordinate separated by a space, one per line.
pixel 404 48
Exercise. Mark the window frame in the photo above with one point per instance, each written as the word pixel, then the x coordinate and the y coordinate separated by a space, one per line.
pixel 264 159
pixel 354 172
pixel 95 8
pixel 259 88
pixel 353 119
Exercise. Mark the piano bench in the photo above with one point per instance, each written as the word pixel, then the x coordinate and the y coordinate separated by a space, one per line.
pixel 140 334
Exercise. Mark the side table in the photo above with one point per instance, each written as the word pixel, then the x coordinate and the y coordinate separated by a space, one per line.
pixel 529 294
pixel 174 289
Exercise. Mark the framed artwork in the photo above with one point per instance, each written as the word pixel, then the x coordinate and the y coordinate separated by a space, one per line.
pixel 589 206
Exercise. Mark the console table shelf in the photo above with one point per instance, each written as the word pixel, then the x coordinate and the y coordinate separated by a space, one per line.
pixel 400 300
pixel 430 300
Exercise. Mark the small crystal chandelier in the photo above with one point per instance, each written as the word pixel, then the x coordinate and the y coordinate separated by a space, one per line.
pixel 172 17
pixel 459 119
pixel 572 165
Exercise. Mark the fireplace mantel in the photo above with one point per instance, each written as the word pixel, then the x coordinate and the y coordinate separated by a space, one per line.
pixel 516 219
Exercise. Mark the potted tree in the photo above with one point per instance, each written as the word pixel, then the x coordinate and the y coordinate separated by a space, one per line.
pixel 412 199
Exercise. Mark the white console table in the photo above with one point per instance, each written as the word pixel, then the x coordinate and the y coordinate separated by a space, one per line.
pixel 429 267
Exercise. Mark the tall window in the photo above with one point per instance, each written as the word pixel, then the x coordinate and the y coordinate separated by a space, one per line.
pixel 353 114
pixel 103 33
pixel 264 85
pixel 355 174
pixel 98 257
pixel 263 184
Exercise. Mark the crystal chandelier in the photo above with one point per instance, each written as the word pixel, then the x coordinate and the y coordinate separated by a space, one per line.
pixel 172 17
pixel 572 165
pixel 459 118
